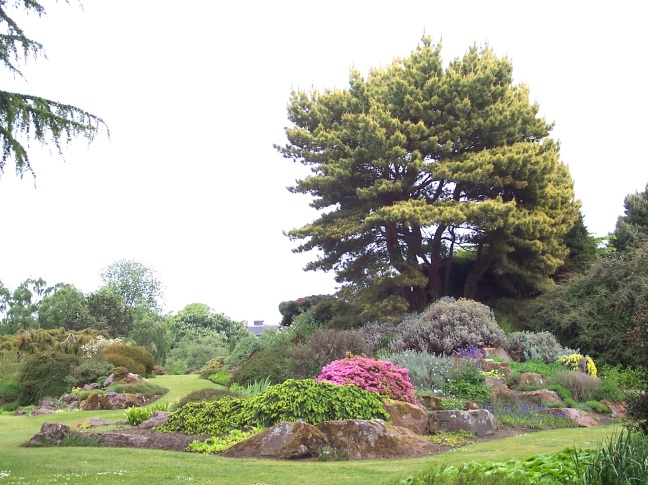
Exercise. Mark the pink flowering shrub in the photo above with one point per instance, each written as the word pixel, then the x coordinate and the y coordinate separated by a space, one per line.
pixel 380 376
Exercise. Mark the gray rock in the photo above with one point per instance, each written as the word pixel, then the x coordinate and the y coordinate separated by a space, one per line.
pixel 49 434
pixel 480 422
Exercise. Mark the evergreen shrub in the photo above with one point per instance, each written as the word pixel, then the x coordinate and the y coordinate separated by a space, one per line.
pixel 447 325
pixel 242 351
pixel 135 358
pixel 540 346
pixel 274 363
pixel 380 376
pixel 205 395
pixel 427 372
pixel 88 371
pixel 43 375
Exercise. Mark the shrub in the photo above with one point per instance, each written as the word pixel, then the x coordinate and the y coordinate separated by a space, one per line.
pixel 536 367
pixel 608 390
pixel 313 402
pixel 136 359
pixel 468 383
pixel 242 351
pixel 135 415
pixel 380 334
pixel 323 347
pixel 582 386
pixel 212 366
pixel 43 375
pixel 222 378
pixel 205 395
pixel 9 391
pixel 212 417
pixel 88 371
pixel 427 372
pixel 142 387
pixel 623 377
pixel 252 389
pixel 541 346
pixel 447 325
pixel 575 362
pixel 192 353
pixel 273 363
pixel 380 376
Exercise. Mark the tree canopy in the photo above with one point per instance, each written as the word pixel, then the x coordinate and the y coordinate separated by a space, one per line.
pixel 134 282
pixel 24 117
pixel 632 227
pixel 418 167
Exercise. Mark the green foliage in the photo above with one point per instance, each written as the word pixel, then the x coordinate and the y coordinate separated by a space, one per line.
pixel 9 391
pixel 596 311
pixel 136 283
pixel 468 383
pixel 427 372
pixel 222 377
pixel 43 375
pixel 608 389
pixel 244 348
pixel 449 403
pixel 518 414
pixel 563 393
pixel 583 249
pixel 151 331
pixel 9 365
pixel 136 359
pixel 205 395
pixel 313 402
pixel 620 460
pixel 22 303
pixel 623 377
pixel 448 324
pixel 197 320
pixel 137 415
pixel 252 389
pixel 632 227
pixel 65 307
pixel 87 372
pixel 218 444
pixel 541 346
pixel 582 386
pixel 109 313
pixel 212 366
pixel 404 158
pixel 293 308
pixel 323 347
pixel 536 367
pixel 274 363
pixel 191 353
pixel 292 400
pixel 143 387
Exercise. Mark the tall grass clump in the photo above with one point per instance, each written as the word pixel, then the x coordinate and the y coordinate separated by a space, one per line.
pixel 621 460
pixel 582 386
pixel 428 372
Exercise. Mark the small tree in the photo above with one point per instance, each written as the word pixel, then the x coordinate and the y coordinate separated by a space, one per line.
pixel 136 283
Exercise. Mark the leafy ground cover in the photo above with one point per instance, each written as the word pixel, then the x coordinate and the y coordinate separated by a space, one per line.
pixel 117 465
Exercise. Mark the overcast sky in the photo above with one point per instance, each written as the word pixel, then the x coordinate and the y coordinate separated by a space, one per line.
pixel 195 95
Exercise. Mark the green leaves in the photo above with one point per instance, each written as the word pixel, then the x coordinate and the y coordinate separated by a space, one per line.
pixel 415 160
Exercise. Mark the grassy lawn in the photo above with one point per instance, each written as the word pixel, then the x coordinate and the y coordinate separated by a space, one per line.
pixel 122 465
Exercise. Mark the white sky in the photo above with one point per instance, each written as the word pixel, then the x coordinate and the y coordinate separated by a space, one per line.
pixel 195 94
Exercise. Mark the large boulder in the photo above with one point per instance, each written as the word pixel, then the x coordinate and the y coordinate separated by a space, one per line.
pixel 283 441
pixel 499 388
pixel 373 438
pixel 157 418
pixel 497 352
pixel 532 379
pixel 503 368
pixel 45 407
pixel 112 400
pixel 480 422
pixel 578 416
pixel 619 409
pixel 49 434
pixel 406 415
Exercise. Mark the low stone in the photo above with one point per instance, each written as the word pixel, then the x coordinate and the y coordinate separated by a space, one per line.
pixel 499 388
pixel 109 381
pixel 497 352
pixel 619 409
pixel 532 379
pixel 287 440
pixel 480 422
pixel 91 387
pixel 130 377
pixel 69 398
pixel 431 403
pixel 49 434
pixel 45 407
pixel 578 416
pixel 157 418
pixel 539 397
pixel 406 415
pixel 371 439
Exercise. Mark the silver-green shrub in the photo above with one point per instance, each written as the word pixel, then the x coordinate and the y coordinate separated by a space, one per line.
pixel 447 325
pixel 427 372
pixel 541 346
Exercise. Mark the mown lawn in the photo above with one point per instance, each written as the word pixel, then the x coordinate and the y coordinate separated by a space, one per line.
pixel 130 466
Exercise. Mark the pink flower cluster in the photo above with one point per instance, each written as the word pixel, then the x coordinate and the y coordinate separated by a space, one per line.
pixel 379 376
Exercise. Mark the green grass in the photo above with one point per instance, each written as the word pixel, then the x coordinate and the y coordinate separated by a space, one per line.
pixel 131 466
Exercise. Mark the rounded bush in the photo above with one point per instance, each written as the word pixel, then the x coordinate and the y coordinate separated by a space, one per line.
pixel 577 362
pixel 447 325
pixel 273 363
pixel 380 376
pixel 207 394
pixel 541 346
pixel 136 359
